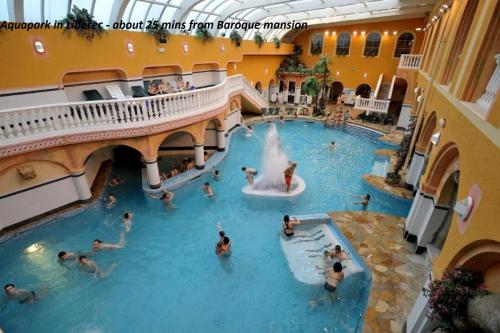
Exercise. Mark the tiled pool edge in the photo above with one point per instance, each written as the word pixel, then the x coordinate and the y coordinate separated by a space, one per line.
pixel 325 218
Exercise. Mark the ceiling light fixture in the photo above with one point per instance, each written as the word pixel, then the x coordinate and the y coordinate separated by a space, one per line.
pixel 386 32
pixel 362 33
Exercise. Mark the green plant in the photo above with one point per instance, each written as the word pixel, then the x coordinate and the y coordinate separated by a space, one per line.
pixel 449 296
pixel 158 31
pixel 259 40
pixel 277 42
pixel 393 178
pixel 321 68
pixel 312 88
pixel 83 23
pixel 235 38
pixel 204 35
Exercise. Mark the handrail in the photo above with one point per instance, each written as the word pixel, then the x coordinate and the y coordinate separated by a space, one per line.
pixel 255 93
pixel 24 125
pixel 371 104
pixel 410 61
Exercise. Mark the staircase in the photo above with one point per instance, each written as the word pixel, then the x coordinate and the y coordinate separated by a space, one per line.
pixel 252 99
pixel 384 90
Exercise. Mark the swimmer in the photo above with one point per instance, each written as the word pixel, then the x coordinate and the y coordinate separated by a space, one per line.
pixel 115 181
pixel 216 175
pixel 208 190
pixel 163 176
pixel 250 173
pixel 223 247
pixel 249 130
pixel 127 221
pixel 20 295
pixel 205 156
pixel 289 171
pixel 167 197
pixel 282 121
pixel 111 201
pixel 289 225
pixel 91 267
pixel 365 202
pixel 337 253
pixel 63 257
pixel 332 146
pixel 333 277
pixel 98 244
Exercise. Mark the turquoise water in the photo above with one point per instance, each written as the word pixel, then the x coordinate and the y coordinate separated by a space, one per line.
pixel 380 165
pixel 167 278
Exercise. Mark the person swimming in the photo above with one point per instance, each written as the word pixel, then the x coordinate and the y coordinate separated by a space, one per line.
pixel 115 181
pixel 223 248
pixel 127 221
pixel 20 295
pixel 333 277
pixel 337 253
pixel 90 266
pixel 250 173
pixel 98 245
pixel 216 175
pixel 288 225
pixel 332 146
pixel 208 190
pixel 365 202
pixel 111 201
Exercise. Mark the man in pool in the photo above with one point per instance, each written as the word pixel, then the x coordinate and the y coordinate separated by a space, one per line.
pixel 98 245
pixel 223 247
pixel 250 173
pixel 289 171
pixel 216 175
pixel 208 190
pixel 331 146
pixel 115 181
pixel 63 257
pixel 288 225
pixel 20 295
pixel 365 202
pixel 91 267
pixel 333 277
pixel 337 253
pixel 111 201
pixel 127 221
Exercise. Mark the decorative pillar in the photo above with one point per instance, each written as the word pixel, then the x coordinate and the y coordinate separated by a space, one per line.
pixel 420 213
pixel 153 173
pixel 487 98
pixel 221 141
pixel 82 186
pixel 199 157
pixel 415 170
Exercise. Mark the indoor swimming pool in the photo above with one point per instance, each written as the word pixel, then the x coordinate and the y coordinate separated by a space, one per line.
pixel 167 277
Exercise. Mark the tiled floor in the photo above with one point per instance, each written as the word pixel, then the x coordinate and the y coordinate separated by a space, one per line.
pixel 379 183
pixel 397 274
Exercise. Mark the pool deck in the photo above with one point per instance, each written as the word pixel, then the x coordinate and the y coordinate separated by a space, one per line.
pixel 397 273
pixel 379 184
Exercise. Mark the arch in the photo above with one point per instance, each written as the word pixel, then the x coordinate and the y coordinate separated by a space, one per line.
pixel 363 90
pixel 180 136
pixel 234 105
pixel 343 44
pixel 445 163
pixel 316 45
pixel 427 130
pixel 372 44
pixel 85 151
pixel 72 78
pixel 336 91
pixel 404 44
pixel 163 71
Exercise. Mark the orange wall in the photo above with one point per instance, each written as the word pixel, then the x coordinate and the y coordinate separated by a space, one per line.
pixel 22 67
pixel 254 68
pixel 353 66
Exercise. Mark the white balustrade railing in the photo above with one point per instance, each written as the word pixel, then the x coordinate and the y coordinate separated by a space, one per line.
pixel 410 61
pixel 25 124
pixel 255 94
pixel 371 104
pixel 491 89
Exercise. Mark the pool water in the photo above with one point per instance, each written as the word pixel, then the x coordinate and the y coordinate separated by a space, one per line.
pixel 380 165
pixel 167 278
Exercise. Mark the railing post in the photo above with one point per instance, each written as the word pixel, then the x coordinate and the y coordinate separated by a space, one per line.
pixel 491 89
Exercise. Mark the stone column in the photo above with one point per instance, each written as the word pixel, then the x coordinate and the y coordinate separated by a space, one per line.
pixel 420 213
pixel 221 141
pixel 82 186
pixel 199 156
pixel 415 170
pixel 153 173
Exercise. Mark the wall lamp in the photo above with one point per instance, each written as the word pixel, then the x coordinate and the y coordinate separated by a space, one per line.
pixel 464 207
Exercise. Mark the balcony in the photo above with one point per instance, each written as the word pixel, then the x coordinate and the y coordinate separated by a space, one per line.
pixel 410 61
pixel 371 104
pixel 33 128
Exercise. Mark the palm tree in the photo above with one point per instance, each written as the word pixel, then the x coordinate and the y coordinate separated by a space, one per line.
pixel 311 88
pixel 321 68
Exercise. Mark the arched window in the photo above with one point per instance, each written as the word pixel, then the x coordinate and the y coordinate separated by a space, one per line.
pixel 372 45
pixel 404 44
pixel 316 43
pixel 343 44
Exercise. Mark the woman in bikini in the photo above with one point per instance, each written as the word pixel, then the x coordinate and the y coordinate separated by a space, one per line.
pixel 289 225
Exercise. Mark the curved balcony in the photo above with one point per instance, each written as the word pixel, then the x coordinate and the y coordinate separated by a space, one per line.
pixel 33 128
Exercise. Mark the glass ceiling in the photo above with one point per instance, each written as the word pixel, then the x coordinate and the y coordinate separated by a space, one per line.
pixel 313 12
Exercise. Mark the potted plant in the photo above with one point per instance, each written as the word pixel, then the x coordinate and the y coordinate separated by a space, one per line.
pixel 204 35
pixel 259 40
pixel 448 299
pixel 277 42
pixel 159 32
pixel 235 38
pixel 83 23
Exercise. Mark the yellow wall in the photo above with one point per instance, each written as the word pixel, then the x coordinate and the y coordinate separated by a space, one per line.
pixel 353 66
pixel 477 140
pixel 254 68
pixel 22 67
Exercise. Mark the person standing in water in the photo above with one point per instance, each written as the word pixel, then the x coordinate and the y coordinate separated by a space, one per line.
pixel 208 190
pixel 289 171
pixel 250 173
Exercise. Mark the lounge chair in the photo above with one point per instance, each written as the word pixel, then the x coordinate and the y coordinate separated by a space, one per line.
pixel 115 92
pixel 92 95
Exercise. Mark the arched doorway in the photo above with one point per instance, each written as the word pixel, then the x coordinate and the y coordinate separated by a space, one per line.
pixel 175 149
pixel 272 91
pixel 397 97
pixel 258 86
pixel 336 91
pixel 363 90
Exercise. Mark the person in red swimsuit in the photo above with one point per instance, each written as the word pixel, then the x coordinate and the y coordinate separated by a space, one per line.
pixel 289 171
